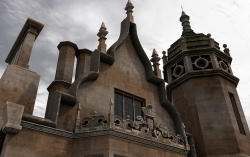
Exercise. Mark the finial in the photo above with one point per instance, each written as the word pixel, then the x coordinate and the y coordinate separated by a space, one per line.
pixel 102 37
pixel 111 102
pixel 103 26
pixel 78 119
pixel 127 117
pixel 210 40
pixel 164 58
pixel 155 60
pixel 181 8
pixel 209 35
pixel 226 50
pixel 185 24
pixel 129 8
pixel 154 53
pixel 94 114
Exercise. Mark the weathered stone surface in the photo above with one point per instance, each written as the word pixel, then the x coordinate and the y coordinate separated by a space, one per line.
pixel 31 143
pixel 65 64
pixel 206 110
pixel 126 74
pixel 12 118
pixel 83 62
pixel 19 85
pixel 21 51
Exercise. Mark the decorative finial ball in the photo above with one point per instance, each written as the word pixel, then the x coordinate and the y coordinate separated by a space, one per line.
pixel 95 113
pixel 225 45
pixel 164 52
pixel 208 35
pixel 128 117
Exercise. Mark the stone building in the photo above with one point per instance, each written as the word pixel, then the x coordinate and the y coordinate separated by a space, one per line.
pixel 119 104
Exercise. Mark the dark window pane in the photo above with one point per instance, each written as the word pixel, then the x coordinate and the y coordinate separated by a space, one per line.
pixel 127 106
pixel 128 100
pixel 116 104
pixel 120 97
pixel 137 111
pixel 130 109
pixel 120 105
pixel 237 114
pixel 138 103
pixel 120 114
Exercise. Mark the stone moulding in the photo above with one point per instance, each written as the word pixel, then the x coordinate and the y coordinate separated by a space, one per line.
pixel 106 132
pixel 217 72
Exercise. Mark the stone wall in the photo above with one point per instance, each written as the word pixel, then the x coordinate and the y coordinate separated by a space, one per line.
pixel 31 143
pixel 126 74
pixel 207 112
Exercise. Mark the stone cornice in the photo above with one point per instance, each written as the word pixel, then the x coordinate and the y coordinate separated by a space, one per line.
pixel 106 132
pixel 203 73
pixel 67 43
pixel 29 23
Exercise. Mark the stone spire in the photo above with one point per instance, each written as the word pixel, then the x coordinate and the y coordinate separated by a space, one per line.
pixel 129 10
pixel 186 24
pixel 102 37
pixel 155 60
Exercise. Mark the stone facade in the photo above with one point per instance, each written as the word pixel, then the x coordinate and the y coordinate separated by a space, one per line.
pixel 97 115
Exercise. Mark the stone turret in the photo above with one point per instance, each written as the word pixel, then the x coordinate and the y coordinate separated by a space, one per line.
pixel 202 87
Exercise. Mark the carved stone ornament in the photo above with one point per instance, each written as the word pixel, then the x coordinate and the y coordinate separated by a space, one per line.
pixel 93 122
pixel 139 126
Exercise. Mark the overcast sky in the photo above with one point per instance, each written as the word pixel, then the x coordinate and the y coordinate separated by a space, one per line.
pixel 158 27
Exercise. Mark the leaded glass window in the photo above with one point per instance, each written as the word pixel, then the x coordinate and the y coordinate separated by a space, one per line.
pixel 127 105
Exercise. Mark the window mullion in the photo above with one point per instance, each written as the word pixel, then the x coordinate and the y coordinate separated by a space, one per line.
pixel 133 102
pixel 123 106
